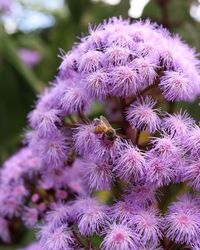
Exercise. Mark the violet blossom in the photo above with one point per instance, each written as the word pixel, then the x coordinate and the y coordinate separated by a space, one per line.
pixel 81 175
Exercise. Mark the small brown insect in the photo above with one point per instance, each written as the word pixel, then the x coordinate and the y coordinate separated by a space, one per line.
pixel 103 127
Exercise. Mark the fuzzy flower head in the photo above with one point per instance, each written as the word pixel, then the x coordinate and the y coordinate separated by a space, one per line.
pixel 12 199
pixel 45 122
pixel 90 215
pixel 117 56
pixel 192 174
pixel 186 203
pixel 53 178
pixel 99 176
pixel 130 164
pixel 123 210
pixel 90 62
pixel 74 178
pixel 176 86
pixel 182 224
pixel 148 225
pixel 160 171
pixel 97 84
pixel 124 81
pixel 52 238
pixel 120 237
pixel 142 194
pixel 74 100
pixel 23 163
pixel 178 124
pixel 146 71
pixel 193 142
pixel 53 151
pixel 32 246
pixel 85 138
pixel 30 217
pixel 165 147
pixel 143 116
pixel 58 215
pixel 81 204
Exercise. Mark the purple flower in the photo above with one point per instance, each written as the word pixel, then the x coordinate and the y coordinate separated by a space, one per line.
pixel 178 125
pixel 131 164
pixel 121 39
pixel 182 224
pixel 12 199
pixel 85 138
pixel 72 154
pixel 46 122
pixel 30 217
pixel 179 46
pixel 192 174
pixel 124 81
pixel 90 215
pixel 53 151
pixel 105 150
pixel 98 84
pixel 117 56
pixel 75 100
pixel 52 238
pixel 58 215
pixel 29 57
pixel 143 116
pixel 123 210
pixel 148 225
pixel 186 203
pixel 32 246
pixel 193 141
pixel 160 171
pixel 69 64
pixel 142 194
pixel 195 246
pixel 146 71
pixel 54 177
pixel 95 39
pixel 90 61
pixel 99 176
pixel 75 178
pixel 176 86
pixel 61 195
pixel 92 219
pixel 165 147
pixel 120 236
pixel 23 163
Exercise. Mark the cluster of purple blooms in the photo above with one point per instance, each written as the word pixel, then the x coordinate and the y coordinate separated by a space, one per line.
pixel 72 154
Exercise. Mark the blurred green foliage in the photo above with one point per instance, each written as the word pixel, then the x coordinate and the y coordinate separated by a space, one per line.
pixel 19 84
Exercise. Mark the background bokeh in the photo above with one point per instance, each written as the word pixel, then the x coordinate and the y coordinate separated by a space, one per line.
pixel 33 33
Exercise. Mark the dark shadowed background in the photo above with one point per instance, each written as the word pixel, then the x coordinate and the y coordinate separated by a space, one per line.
pixel 31 33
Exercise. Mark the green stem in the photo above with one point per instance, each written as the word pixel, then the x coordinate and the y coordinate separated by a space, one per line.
pixel 9 52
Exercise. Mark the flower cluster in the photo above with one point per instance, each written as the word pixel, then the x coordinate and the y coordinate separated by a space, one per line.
pixel 122 71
